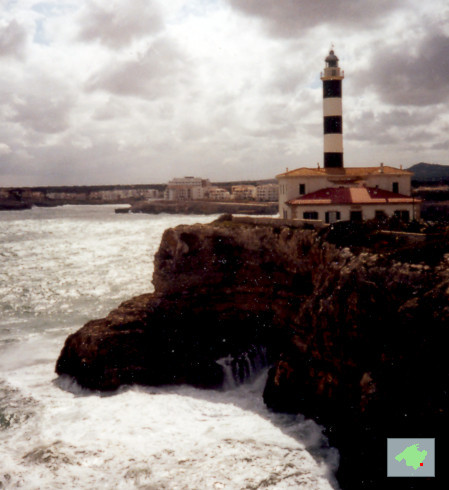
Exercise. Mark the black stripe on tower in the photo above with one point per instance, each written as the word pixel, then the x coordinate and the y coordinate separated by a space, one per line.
pixel 331 88
pixel 333 160
pixel 333 124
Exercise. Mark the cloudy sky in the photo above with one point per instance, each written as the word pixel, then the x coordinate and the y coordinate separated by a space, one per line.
pixel 141 91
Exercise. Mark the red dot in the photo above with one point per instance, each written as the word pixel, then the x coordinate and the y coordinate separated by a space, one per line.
pixel 421 464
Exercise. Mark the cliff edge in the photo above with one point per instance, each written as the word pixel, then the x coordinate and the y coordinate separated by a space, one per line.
pixel 355 335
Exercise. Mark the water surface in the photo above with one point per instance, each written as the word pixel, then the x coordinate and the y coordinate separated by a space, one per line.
pixel 59 268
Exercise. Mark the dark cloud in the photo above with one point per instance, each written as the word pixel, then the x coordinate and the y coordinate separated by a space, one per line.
pixel 12 39
pixel 155 74
pixel 43 113
pixel 399 125
pixel 117 24
pixel 407 117
pixel 441 145
pixel 414 74
pixel 291 17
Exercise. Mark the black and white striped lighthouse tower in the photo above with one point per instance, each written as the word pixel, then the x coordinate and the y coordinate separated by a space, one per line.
pixel 332 112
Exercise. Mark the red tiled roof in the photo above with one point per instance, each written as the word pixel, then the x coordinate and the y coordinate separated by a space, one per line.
pixel 352 195
pixel 344 172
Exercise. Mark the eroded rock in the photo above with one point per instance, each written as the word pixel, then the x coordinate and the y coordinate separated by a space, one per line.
pixel 356 338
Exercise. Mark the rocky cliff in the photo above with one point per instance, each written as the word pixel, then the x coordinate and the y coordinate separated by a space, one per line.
pixel 355 335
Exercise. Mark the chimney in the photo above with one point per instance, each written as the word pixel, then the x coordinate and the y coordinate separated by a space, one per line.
pixel 382 168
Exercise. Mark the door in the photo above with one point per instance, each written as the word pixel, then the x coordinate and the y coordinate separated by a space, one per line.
pixel 356 216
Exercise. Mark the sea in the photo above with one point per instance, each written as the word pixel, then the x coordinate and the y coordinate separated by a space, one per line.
pixel 63 266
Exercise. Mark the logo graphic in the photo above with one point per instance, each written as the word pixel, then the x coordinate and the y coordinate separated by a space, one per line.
pixel 410 457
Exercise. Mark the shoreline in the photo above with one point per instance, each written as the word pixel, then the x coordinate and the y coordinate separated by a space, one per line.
pixel 201 207
pixel 156 207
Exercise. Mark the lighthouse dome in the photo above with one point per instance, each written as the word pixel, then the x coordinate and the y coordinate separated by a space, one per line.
pixel 331 58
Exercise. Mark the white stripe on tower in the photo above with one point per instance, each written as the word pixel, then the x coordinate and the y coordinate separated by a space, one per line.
pixel 332 112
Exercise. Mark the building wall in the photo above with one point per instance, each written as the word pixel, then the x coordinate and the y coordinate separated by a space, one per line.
pixel 368 211
pixel 385 181
pixel 197 192
pixel 268 192
pixel 219 194
pixel 183 192
pixel 243 192
pixel 190 181
pixel 289 187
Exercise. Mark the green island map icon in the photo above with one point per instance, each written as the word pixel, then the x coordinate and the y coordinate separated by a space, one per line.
pixel 413 456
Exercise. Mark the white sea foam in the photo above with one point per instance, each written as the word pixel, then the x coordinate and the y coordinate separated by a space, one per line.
pixel 60 267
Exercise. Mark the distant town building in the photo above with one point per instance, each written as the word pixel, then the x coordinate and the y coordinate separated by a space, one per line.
pixel 186 188
pixel 153 194
pixel 267 192
pixel 218 194
pixel 335 193
pixel 82 194
pixel 244 192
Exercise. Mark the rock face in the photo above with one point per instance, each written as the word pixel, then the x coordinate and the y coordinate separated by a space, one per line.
pixel 356 339
pixel 13 205
pixel 218 289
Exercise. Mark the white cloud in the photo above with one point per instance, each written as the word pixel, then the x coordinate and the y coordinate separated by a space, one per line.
pixel 4 149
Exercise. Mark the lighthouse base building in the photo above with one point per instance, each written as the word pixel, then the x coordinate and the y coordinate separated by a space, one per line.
pixel 335 193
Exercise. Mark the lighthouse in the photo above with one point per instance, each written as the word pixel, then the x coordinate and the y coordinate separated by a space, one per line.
pixel 332 112
pixel 334 193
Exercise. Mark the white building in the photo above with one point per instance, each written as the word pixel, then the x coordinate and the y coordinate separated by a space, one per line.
pixel 334 193
pixel 267 192
pixel 218 194
pixel 244 192
pixel 186 188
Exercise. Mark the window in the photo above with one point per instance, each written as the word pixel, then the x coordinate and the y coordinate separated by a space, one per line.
pixel 380 215
pixel 302 189
pixel 310 215
pixel 284 214
pixel 402 215
pixel 332 216
pixel 396 187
